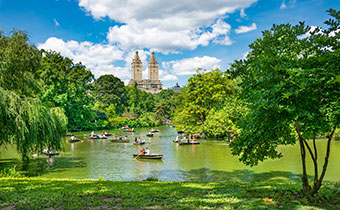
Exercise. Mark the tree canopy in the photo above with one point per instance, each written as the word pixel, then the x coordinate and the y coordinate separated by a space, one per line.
pixel 291 84
pixel 110 90
pixel 67 85
pixel 24 120
pixel 205 93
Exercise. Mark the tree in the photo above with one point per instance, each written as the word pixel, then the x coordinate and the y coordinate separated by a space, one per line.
pixel 108 90
pixel 205 91
pixel 67 85
pixel 29 125
pixel 291 85
pixel 164 105
pixel 139 101
pixel 19 63
pixel 24 120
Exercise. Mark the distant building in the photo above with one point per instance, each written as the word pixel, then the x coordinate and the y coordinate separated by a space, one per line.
pixel 153 84
pixel 177 88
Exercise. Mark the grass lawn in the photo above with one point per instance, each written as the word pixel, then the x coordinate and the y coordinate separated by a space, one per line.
pixel 41 193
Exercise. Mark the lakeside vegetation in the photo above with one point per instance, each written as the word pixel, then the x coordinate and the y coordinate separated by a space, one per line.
pixel 286 91
pixel 39 193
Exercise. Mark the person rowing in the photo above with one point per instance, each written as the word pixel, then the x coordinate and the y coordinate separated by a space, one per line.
pixel 147 151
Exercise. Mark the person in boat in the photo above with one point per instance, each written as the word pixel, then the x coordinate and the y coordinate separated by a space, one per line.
pixel 142 151
pixel 147 151
pixel 184 138
pixel 149 132
pixel 177 138
pixel 120 138
pixel 72 137
pixel 92 134
pixel 189 139
pixel 193 139
pixel 140 140
pixel 75 138
pixel 126 138
pixel 136 140
pixel 97 136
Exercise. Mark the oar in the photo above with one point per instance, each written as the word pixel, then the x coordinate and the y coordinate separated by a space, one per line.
pixel 138 155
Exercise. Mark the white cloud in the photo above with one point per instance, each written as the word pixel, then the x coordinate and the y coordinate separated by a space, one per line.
pixel 98 58
pixel 165 76
pixel 245 55
pixel 291 3
pixel 242 13
pixel 245 29
pixel 165 26
pixel 56 22
pixel 188 66
pixel 283 5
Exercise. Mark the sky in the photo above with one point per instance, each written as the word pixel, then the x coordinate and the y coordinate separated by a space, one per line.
pixel 184 34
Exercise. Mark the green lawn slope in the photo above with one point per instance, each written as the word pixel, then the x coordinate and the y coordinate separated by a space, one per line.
pixel 40 193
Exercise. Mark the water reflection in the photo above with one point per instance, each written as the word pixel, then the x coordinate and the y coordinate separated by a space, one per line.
pixel 209 161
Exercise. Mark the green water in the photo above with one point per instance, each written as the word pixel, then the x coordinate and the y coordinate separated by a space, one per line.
pixel 209 161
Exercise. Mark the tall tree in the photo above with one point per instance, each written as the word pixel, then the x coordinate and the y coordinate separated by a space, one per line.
pixel 164 105
pixel 290 81
pixel 24 121
pixel 67 85
pixel 108 90
pixel 19 62
pixel 139 101
pixel 205 91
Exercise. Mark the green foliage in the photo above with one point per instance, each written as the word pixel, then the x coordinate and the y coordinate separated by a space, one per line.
pixel 291 85
pixel 165 105
pixel 145 120
pixel 286 79
pixel 152 179
pixel 19 62
pixel 205 94
pixel 28 124
pixel 139 101
pixel 10 172
pixel 67 85
pixel 109 90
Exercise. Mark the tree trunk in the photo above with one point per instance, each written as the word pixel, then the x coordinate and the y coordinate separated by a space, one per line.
pixel 304 177
pixel 317 185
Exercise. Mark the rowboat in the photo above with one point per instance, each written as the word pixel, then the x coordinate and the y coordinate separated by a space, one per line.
pixel 153 156
pixel 99 137
pixel 73 140
pixel 137 143
pixel 186 143
pixel 129 130
pixel 149 134
pixel 154 130
pixel 50 152
pixel 119 141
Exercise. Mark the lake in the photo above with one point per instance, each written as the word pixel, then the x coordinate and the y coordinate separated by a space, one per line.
pixel 209 161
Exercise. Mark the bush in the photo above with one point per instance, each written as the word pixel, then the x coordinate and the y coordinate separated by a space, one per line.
pixel 151 179
pixel 10 172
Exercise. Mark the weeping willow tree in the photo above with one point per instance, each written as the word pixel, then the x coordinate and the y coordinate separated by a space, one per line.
pixel 29 125
pixel 24 121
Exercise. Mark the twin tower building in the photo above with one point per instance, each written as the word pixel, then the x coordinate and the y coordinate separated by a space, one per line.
pixel 153 84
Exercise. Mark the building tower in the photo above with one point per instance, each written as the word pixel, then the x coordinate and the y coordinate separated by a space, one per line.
pixel 153 68
pixel 136 68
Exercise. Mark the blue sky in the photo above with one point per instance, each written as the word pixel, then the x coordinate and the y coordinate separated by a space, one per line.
pixel 185 34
